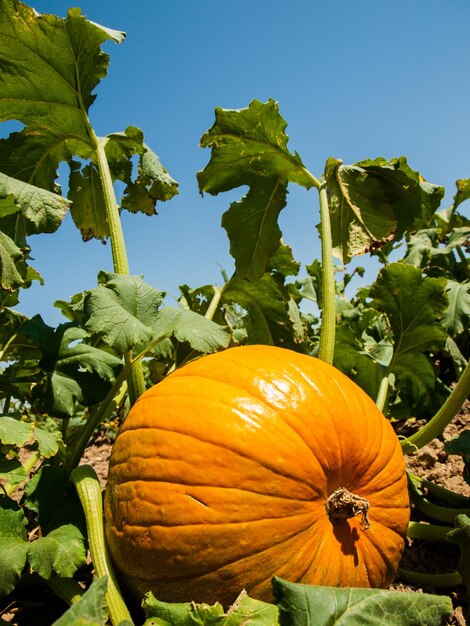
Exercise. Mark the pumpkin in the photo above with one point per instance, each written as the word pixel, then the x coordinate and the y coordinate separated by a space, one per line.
pixel 253 462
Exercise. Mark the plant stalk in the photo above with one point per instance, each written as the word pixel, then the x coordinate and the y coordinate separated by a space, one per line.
pixel 214 303
pixel 428 532
pixel 438 581
pixel 120 262
pixel 89 491
pixel 382 395
pixel 328 319
pixel 435 427
pixel 453 499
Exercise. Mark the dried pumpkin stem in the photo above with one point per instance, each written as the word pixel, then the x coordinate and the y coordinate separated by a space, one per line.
pixel 342 505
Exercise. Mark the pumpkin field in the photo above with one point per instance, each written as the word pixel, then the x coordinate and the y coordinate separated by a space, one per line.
pixel 288 447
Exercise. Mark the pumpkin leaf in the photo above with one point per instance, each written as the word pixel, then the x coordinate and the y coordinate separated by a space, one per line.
pixel 249 147
pixel 375 201
pixel 34 211
pixel 49 93
pixel 245 610
pixel 413 305
pixel 302 605
pixel 61 551
pixel 463 191
pixel 13 544
pixel 124 312
pixel 90 610
pixel 268 312
pixel 457 315
pixel 73 370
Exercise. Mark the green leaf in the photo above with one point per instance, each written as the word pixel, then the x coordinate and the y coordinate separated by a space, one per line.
pixel 413 305
pixel 36 210
pixel 203 335
pixel 245 610
pixel 12 471
pixel 374 201
pixel 13 544
pixel 90 610
pixel 249 147
pixel 73 370
pixel 13 432
pixel 123 310
pixel 463 191
pixel 151 184
pixel 251 225
pixel 48 92
pixel 61 551
pixel 10 255
pixel 53 498
pixel 266 310
pixel 355 361
pixel 455 319
pixel 302 605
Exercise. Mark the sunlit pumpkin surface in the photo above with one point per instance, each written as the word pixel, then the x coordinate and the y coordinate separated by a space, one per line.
pixel 220 475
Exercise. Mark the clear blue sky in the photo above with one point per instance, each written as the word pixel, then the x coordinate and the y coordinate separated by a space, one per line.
pixel 354 80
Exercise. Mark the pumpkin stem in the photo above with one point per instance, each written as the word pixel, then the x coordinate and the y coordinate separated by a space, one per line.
pixel 342 504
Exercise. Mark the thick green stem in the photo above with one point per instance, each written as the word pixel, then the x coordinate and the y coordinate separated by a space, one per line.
pixel 438 581
pixel 89 491
pixel 435 427
pixel 118 247
pixel 428 532
pixel 328 320
pixel 382 395
pixel 453 499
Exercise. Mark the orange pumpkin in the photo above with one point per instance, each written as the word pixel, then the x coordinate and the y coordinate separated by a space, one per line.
pixel 252 462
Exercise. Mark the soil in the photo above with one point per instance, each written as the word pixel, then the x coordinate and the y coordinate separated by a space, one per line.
pixel 432 462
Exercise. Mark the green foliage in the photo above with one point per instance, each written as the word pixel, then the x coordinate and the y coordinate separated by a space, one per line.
pixel 301 605
pixel 243 611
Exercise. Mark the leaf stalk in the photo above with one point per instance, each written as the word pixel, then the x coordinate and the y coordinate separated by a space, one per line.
pixel 328 323
pixel 89 491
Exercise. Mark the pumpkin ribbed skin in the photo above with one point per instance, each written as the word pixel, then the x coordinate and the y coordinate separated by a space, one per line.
pixel 219 477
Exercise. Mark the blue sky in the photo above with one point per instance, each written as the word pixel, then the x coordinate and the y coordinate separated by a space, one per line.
pixel 354 80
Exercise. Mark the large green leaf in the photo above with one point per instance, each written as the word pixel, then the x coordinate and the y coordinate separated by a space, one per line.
pixel 457 315
pixel 268 313
pixel 13 544
pixel 50 67
pixel 125 312
pixel 302 605
pixel 414 306
pixel 463 191
pixel 62 551
pixel 249 147
pixel 73 370
pixel 374 201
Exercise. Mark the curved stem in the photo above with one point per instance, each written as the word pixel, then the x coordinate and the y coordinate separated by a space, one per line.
pixel 443 417
pixel 453 499
pixel 436 512
pixel 439 581
pixel 428 532
pixel 89 491
pixel 328 320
